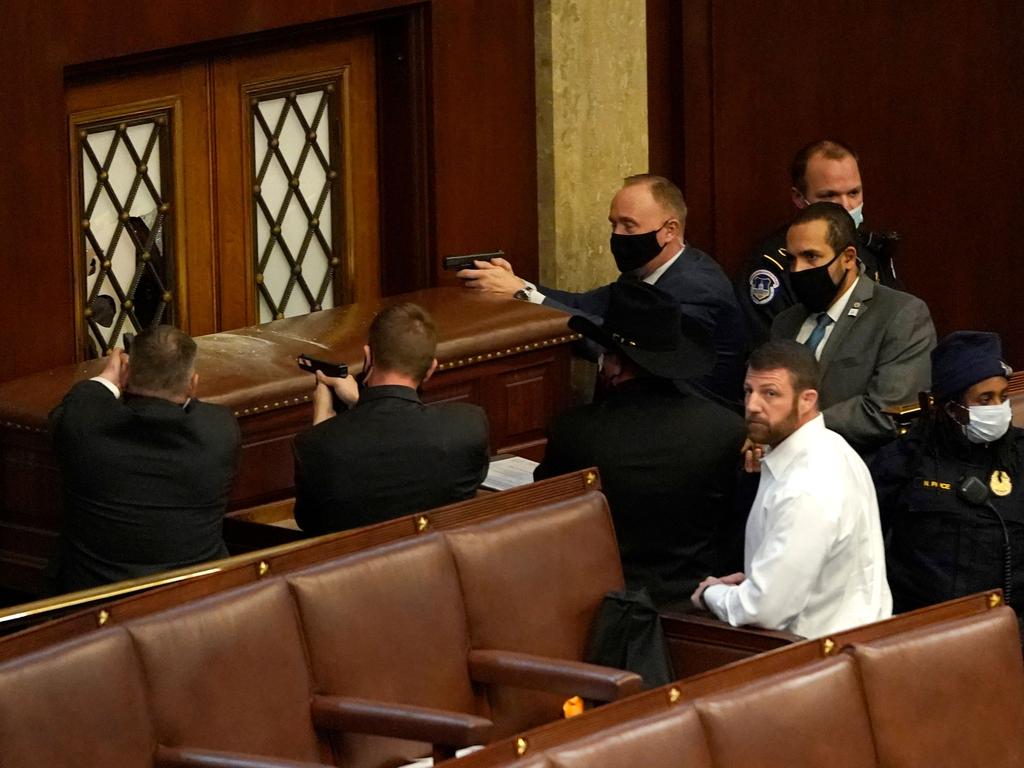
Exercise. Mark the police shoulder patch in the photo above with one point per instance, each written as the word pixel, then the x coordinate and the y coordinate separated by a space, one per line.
pixel 763 284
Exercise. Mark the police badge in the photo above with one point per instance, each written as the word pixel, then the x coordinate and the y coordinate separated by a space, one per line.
pixel 763 284
pixel 1000 483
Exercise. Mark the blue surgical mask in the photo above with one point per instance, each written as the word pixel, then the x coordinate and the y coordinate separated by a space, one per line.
pixel 988 423
pixel 857 214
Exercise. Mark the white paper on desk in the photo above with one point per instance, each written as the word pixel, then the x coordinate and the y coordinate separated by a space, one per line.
pixel 509 473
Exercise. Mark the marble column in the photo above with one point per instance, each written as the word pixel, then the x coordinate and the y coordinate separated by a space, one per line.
pixel 591 64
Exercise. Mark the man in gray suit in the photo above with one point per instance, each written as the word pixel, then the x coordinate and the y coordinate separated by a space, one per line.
pixel 873 342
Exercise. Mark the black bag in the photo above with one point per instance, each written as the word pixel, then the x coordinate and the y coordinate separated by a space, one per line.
pixel 626 634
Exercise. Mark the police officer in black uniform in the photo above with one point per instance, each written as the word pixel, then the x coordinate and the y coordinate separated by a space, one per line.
pixel 824 170
pixel 951 491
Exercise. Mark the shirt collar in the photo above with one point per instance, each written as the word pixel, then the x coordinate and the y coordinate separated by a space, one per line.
pixel 781 456
pixel 652 278
pixel 839 305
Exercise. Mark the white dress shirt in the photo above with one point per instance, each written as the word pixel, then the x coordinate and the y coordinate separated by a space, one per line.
pixel 813 554
pixel 835 312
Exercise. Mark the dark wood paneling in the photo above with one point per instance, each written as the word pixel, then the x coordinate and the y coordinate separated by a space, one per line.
pixel 485 142
pixel 481 153
pixel 664 71
pixel 403 133
pixel 928 92
pixel 521 394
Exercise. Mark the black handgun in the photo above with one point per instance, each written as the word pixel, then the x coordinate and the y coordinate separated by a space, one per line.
pixel 466 262
pixel 312 365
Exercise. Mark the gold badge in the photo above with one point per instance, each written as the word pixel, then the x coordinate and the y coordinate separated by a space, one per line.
pixel 1000 483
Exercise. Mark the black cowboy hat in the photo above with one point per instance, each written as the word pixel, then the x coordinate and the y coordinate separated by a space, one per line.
pixel 646 325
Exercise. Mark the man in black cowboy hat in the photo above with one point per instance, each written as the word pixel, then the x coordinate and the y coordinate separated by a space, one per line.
pixel 667 456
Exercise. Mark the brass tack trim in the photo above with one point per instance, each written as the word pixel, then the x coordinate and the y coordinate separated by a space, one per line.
pixel 528 347
pixel 674 695
pixel 26 427
pixel 521 746
pixel 995 600
pixel 828 646
pixel 590 478
pixel 263 568
pixel 422 523
pixel 102 618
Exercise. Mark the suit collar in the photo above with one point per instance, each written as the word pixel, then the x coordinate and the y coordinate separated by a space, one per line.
pixel 388 391
pixel 653 278
pixel 150 403
pixel 856 306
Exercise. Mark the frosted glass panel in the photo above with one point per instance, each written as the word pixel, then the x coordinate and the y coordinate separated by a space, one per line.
pixel 125 185
pixel 294 176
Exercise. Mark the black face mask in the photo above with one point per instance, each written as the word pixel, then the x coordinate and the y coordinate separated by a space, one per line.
pixel 814 287
pixel 633 251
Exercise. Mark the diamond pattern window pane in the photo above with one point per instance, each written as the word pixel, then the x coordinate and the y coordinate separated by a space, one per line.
pixel 125 185
pixel 294 174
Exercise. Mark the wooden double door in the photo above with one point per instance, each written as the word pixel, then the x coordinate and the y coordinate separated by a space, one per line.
pixel 224 190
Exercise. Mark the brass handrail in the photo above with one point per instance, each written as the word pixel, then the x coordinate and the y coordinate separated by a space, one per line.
pixel 96 595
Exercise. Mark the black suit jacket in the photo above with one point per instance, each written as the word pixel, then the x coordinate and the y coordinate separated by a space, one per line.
pixel 668 464
pixel 704 294
pixel 146 483
pixel 390 455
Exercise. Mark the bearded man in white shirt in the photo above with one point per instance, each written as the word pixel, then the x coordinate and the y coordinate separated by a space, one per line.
pixel 813 554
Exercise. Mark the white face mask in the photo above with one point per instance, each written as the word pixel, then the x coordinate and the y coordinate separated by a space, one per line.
pixel 857 214
pixel 988 423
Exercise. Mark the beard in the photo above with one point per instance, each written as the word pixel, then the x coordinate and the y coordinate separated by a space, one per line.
pixel 765 432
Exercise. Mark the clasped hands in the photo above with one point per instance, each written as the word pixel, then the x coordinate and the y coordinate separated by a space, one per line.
pixel 345 387
pixel 697 598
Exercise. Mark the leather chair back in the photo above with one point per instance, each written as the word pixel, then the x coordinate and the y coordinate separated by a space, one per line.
pixel 532 583
pixel 671 740
pixel 793 720
pixel 80 704
pixel 951 696
pixel 388 625
pixel 229 672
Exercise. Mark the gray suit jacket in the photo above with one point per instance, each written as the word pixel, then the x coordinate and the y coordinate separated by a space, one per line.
pixel 874 359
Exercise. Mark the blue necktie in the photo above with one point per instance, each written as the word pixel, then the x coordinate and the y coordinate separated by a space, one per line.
pixel 824 321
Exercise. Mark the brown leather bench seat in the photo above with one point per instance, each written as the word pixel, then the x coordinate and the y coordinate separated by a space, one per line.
pixel 430 637
pixel 76 613
pixel 942 687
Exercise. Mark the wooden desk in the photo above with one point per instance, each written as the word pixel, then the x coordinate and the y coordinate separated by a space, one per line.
pixel 510 357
